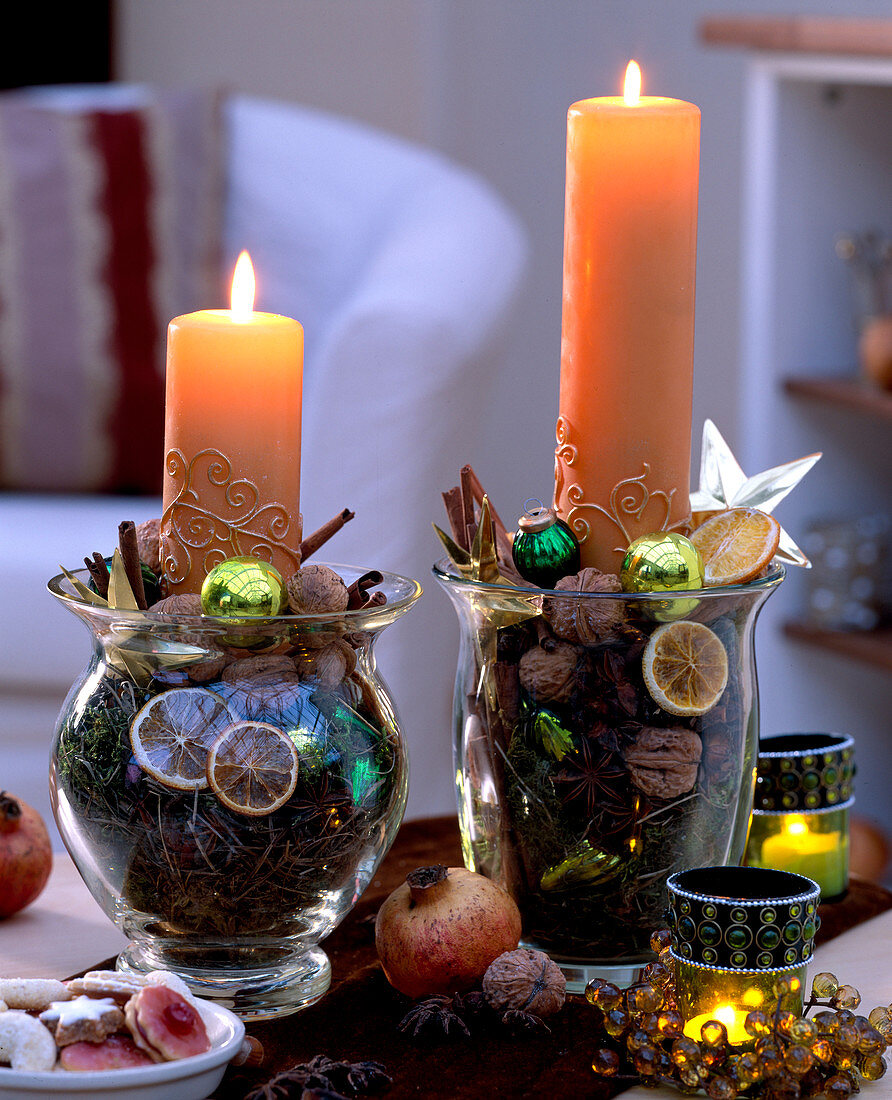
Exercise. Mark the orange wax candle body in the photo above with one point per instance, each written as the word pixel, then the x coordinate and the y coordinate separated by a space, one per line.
pixel 622 464
pixel 232 443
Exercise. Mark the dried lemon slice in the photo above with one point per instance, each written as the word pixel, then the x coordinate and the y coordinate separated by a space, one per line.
pixel 252 768
pixel 172 733
pixel 685 668
pixel 736 545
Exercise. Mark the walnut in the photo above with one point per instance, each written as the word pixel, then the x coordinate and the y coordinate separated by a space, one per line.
pixel 329 665
pixel 316 590
pixel 271 665
pixel 183 605
pixel 186 608
pixel 148 543
pixel 587 622
pixel 663 763
pixel 525 981
pixel 202 672
pixel 549 673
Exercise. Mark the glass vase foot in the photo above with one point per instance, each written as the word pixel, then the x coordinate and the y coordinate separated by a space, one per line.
pixel 254 984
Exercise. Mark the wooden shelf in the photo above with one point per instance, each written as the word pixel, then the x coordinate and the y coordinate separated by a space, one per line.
pixel 801 34
pixel 872 647
pixel 851 393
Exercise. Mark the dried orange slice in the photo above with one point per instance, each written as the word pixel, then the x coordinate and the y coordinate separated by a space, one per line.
pixel 252 768
pixel 172 734
pixel 685 667
pixel 736 545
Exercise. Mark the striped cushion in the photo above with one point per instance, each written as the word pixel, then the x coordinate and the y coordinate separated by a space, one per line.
pixel 109 222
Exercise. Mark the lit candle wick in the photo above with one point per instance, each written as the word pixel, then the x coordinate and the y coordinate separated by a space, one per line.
pixel 242 295
pixel 632 86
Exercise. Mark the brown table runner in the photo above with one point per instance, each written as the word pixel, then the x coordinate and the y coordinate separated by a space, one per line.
pixel 357 1019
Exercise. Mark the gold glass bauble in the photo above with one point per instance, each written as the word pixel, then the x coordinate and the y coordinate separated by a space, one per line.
pixel 662 562
pixel 243 587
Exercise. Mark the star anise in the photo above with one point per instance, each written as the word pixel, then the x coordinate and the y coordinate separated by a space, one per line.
pixel 519 1022
pixel 434 1015
pixel 323 1077
pixel 591 776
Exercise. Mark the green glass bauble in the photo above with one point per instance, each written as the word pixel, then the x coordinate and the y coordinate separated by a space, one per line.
pixel 544 548
pixel 244 587
pixel 662 562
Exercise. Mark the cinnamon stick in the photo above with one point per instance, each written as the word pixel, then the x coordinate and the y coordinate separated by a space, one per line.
pixel 130 555
pixel 477 493
pixel 99 572
pixel 318 538
pixel 358 591
pixel 455 515
pixel 467 503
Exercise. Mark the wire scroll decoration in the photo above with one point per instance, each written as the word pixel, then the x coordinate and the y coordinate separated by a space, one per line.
pixel 628 499
pixel 192 535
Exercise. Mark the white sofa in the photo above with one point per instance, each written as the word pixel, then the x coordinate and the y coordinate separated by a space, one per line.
pixel 402 268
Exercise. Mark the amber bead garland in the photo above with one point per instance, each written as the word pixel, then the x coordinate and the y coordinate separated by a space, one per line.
pixel 832 1054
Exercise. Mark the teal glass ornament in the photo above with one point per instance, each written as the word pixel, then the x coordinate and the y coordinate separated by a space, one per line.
pixel 544 548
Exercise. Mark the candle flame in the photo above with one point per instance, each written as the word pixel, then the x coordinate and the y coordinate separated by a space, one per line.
pixel 632 87
pixel 795 825
pixel 242 299
pixel 725 1014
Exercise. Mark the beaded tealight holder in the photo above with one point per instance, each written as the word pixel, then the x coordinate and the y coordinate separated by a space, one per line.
pixel 736 931
pixel 801 807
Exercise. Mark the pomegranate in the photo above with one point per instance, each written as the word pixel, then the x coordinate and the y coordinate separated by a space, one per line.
pixel 26 855
pixel 440 930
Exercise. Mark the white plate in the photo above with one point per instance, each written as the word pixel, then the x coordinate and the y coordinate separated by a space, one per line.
pixel 187 1079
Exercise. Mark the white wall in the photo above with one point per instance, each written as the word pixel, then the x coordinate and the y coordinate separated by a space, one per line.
pixel 489 82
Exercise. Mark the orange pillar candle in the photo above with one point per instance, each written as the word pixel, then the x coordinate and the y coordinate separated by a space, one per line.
pixel 622 463
pixel 232 438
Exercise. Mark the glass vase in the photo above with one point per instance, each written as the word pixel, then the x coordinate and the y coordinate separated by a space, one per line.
pixel 577 791
pixel 227 787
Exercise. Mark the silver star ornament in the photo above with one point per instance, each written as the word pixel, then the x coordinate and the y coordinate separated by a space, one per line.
pixel 724 485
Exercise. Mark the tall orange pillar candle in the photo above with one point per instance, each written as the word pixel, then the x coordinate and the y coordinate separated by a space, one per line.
pixel 622 462
pixel 232 438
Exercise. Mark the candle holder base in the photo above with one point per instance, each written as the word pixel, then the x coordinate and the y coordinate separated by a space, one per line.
pixel 254 982
pixel 580 972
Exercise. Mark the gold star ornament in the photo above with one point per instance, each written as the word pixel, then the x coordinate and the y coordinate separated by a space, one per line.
pixel 724 485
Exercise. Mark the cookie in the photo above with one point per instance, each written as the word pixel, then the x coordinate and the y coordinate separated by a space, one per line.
pixel 25 1043
pixel 90 1019
pixel 165 1025
pixel 172 981
pixel 32 994
pixel 106 983
pixel 115 1052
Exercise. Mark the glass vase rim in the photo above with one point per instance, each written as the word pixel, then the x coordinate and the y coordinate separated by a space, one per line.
pixel 443 571
pixel 360 618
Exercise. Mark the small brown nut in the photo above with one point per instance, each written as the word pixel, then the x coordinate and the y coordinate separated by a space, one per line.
pixel 271 665
pixel 329 665
pixel 663 763
pixel 549 673
pixel 316 590
pixel 525 981
pixel 182 605
pixel 202 672
pixel 148 543
pixel 587 622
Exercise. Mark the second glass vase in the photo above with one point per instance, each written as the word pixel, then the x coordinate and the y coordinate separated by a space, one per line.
pixel 577 790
